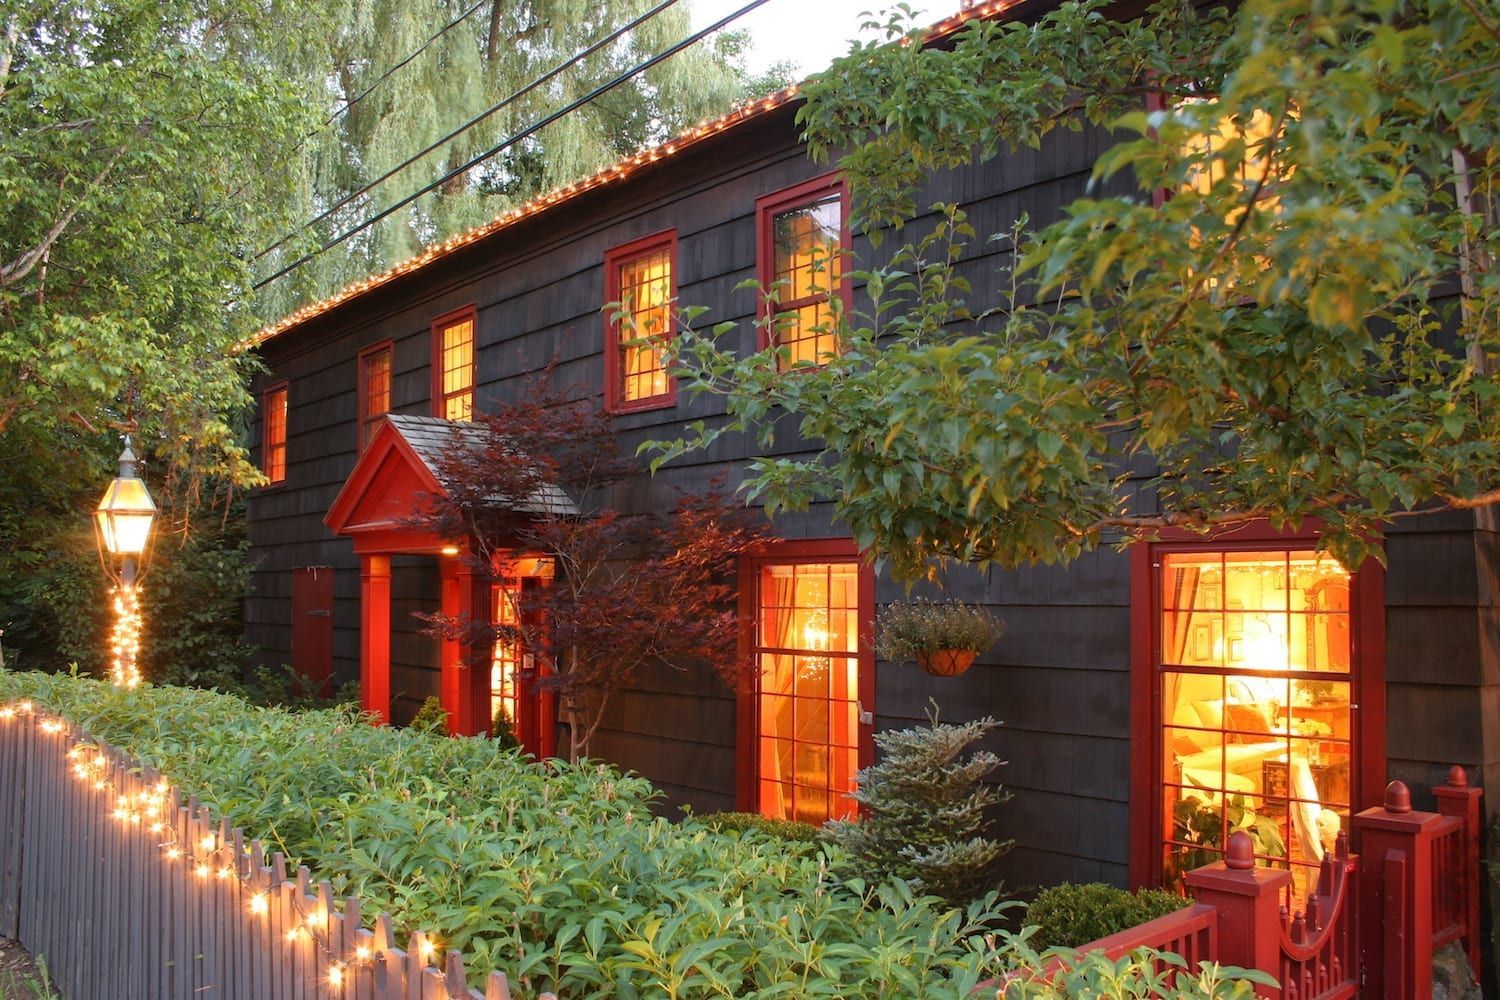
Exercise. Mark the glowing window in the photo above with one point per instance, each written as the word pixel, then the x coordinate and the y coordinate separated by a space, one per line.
pixel 453 339
pixel 374 390
pixel 641 283
pixel 505 662
pixel 1255 669
pixel 807 702
pixel 273 433
pixel 803 244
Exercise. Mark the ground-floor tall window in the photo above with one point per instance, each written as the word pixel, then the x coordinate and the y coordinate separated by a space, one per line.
pixel 515 695
pixel 1255 680
pixel 809 648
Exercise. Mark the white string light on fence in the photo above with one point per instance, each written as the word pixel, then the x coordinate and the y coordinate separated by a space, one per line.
pixel 90 766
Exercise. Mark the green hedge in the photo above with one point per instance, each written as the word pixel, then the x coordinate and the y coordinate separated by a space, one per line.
pixel 1071 915
pixel 559 875
pixel 783 829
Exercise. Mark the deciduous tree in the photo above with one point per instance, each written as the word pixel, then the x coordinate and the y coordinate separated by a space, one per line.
pixel 630 589
pixel 1277 300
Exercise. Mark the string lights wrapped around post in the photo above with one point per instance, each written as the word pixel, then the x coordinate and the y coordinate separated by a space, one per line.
pixel 122 528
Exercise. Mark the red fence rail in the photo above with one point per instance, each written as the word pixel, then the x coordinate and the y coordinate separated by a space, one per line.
pixel 1370 926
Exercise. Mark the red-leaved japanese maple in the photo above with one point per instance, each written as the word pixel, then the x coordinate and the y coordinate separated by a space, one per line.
pixel 629 588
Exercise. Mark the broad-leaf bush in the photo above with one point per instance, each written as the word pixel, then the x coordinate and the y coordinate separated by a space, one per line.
pixel 556 873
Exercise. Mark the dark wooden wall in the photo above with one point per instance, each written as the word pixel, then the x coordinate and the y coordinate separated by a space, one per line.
pixel 1059 680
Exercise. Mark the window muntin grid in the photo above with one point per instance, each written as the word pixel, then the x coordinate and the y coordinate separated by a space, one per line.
pixel 274 413
pixel 376 377
pixel 1256 679
pixel 645 293
pixel 457 369
pixel 806 270
pixel 807 652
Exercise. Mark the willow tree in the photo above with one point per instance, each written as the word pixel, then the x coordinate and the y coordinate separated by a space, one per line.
pixel 382 109
pixel 1279 299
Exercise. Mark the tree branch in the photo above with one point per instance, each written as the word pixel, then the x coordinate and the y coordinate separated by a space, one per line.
pixel 19 268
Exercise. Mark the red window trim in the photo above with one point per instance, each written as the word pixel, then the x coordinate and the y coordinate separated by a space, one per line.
pixel 613 258
pixel 768 206
pixel 447 319
pixel 747 755
pixel 1367 658
pixel 282 386
pixel 363 416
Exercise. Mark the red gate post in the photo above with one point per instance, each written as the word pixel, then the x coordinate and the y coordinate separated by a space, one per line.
pixel 1395 896
pixel 1458 798
pixel 1247 898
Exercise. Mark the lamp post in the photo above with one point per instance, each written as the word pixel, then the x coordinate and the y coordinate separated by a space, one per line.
pixel 122 527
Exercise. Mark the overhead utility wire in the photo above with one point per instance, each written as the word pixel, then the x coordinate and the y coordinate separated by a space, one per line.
pixel 516 137
pixel 386 75
pixel 540 81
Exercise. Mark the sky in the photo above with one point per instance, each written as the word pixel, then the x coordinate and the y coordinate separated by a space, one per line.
pixel 810 33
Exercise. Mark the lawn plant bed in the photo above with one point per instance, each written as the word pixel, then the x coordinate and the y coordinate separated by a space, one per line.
pixel 557 874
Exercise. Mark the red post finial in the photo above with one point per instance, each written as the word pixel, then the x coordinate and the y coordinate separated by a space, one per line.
pixel 1457 777
pixel 1240 855
pixel 1397 797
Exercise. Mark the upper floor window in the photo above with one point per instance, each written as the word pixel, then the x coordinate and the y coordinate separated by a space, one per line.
pixel 453 364
pixel 374 389
pixel 273 432
pixel 640 280
pixel 803 238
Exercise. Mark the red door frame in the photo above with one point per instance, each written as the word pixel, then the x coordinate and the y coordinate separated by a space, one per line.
pixel 747 722
pixel 536 708
pixel 1367 656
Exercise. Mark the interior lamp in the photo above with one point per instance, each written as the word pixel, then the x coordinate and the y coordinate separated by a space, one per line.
pixel 122 521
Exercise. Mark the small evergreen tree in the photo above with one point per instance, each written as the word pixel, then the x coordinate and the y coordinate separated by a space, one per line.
pixel 924 803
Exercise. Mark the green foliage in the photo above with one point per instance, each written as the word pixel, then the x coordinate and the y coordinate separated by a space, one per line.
pixel 431 717
pixel 482 60
pixel 503 731
pixel 1141 975
pixel 783 829
pixel 145 151
pixel 1278 347
pixel 923 818
pixel 1208 828
pixel 558 874
pixel 924 626
pixel 1070 915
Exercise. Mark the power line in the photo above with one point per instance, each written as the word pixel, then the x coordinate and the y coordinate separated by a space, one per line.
pixel 386 75
pixel 540 81
pixel 517 137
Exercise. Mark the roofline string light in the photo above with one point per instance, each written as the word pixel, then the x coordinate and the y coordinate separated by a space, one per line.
pixel 212 857
pixel 615 172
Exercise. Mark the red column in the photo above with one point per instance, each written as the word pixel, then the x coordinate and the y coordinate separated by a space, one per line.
pixel 1459 798
pixel 450 689
pixel 1248 901
pixel 375 635
pixel 1395 896
pixel 474 659
pixel 464 683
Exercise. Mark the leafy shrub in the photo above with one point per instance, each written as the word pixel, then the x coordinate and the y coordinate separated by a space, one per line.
pixel 783 829
pixel 1071 915
pixel 431 717
pixel 558 873
pixel 1142 975
pixel 924 626
pixel 924 811
pixel 503 731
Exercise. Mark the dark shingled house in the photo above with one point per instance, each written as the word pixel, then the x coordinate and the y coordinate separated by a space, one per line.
pixel 1135 687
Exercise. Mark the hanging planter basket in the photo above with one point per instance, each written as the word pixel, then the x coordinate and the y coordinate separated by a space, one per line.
pixel 943 637
pixel 946 662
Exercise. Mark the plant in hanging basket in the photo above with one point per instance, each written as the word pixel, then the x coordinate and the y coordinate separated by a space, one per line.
pixel 943 637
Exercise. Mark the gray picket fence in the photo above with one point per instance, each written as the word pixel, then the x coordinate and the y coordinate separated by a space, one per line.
pixel 133 892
